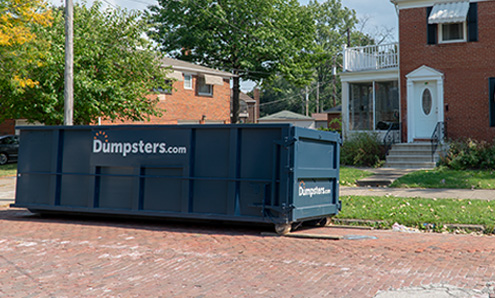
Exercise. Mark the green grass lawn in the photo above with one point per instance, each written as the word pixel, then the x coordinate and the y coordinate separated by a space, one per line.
pixel 8 170
pixel 445 178
pixel 348 176
pixel 418 212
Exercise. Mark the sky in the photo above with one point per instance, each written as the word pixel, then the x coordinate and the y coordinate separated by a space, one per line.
pixel 375 15
pixel 379 14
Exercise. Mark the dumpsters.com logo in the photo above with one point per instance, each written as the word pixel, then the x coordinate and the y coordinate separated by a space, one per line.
pixel 101 144
pixel 303 191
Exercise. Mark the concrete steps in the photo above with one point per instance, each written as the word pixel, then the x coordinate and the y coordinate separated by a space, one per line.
pixel 412 156
pixel 383 177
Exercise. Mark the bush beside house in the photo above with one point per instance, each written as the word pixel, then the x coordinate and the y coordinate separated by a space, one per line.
pixel 469 154
pixel 362 149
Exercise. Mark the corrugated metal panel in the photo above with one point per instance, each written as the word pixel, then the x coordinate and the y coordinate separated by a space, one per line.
pixel 213 80
pixel 452 12
pixel 176 75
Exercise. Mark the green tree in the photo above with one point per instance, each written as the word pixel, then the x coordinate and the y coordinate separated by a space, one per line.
pixel 335 27
pixel 115 69
pixel 334 22
pixel 279 95
pixel 19 45
pixel 254 39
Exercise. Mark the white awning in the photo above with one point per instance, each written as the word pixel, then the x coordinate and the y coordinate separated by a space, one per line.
pixel 452 12
pixel 213 80
pixel 177 75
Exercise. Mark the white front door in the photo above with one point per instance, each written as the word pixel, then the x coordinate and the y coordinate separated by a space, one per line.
pixel 424 102
pixel 425 109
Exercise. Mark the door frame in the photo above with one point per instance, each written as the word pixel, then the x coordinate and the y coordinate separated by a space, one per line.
pixel 423 73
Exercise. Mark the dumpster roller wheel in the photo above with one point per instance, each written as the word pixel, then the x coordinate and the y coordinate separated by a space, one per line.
pixel 283 229
pixel 326 221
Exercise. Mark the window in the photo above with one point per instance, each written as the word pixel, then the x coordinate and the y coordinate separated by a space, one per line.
pixel 361 106
pixel 455 32
pixel 426 102
pixel 188 81
pixel 374 106
pixel 203 88
pixel 164 90
pixel 491 101
pixel 452 22
pixel 13 140
pixel 386 105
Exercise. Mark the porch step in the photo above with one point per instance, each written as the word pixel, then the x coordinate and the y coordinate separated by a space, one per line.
pixel 412 156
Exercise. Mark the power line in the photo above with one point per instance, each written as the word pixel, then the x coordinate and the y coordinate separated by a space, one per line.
pixel 109 3
pixel 142 2
pixel 294 96
pixel 286 99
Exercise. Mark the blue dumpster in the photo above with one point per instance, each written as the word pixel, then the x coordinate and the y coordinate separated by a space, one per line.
pixel 260 173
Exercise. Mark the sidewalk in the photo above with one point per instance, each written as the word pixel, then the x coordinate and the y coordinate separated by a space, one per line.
pixel 385 176
pixel 480 194
pixel 7 190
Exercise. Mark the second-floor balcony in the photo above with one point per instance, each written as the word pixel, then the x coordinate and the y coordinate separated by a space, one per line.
pixel 373 57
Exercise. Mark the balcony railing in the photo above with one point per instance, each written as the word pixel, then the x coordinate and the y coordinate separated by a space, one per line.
pixel 371 57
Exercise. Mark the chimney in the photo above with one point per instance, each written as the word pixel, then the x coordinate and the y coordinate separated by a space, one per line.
pixel 256 95
pixel 186 52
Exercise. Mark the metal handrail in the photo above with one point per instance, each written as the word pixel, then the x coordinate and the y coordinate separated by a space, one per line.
pixel 392 136
pixel 437 137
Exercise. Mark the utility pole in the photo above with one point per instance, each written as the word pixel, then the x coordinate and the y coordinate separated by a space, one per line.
pixel 318 96
pixel 348 37
pixel 307 101
pixel 334 76
pixel 69 64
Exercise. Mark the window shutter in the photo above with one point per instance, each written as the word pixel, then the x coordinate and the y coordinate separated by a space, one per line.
pixel 431 29
pixel 472 22
pixel 491 103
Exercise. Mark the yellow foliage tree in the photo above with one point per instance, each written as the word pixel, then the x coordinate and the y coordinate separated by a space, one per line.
pixel 19 46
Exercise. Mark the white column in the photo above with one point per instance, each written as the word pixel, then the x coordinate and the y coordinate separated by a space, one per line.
pixel 410 111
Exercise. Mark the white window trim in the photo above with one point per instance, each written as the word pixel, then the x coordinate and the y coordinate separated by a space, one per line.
pixel 188 81
pixel 440 34
pixel 205 93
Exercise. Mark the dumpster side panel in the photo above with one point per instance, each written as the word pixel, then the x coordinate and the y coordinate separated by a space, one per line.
pixel 117 188
pixel 138 168
pixel 75 185
pixel 246 173
pixel 37 154
pixel 211 169
pixel 160 193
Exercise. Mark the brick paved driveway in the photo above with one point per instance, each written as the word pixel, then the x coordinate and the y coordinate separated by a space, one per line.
pixel 72 257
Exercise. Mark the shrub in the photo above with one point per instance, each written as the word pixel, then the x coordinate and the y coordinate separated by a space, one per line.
pixel 334 125
pixel 362 149
pixel 469 154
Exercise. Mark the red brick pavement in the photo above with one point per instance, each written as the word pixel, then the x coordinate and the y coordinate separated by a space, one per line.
pixel 73 257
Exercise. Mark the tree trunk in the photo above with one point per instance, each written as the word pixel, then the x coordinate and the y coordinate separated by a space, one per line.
pixel 235 99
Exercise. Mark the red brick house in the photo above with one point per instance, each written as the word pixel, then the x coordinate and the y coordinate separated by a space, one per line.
pixel 437 82
pixel 200 95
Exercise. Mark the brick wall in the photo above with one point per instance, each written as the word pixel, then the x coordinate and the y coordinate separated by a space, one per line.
pixel 466 67
pixel 7 127
pixel 187 106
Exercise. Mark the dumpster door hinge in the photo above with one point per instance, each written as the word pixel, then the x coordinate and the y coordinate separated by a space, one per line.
pixel 289 207
pixel 286 142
